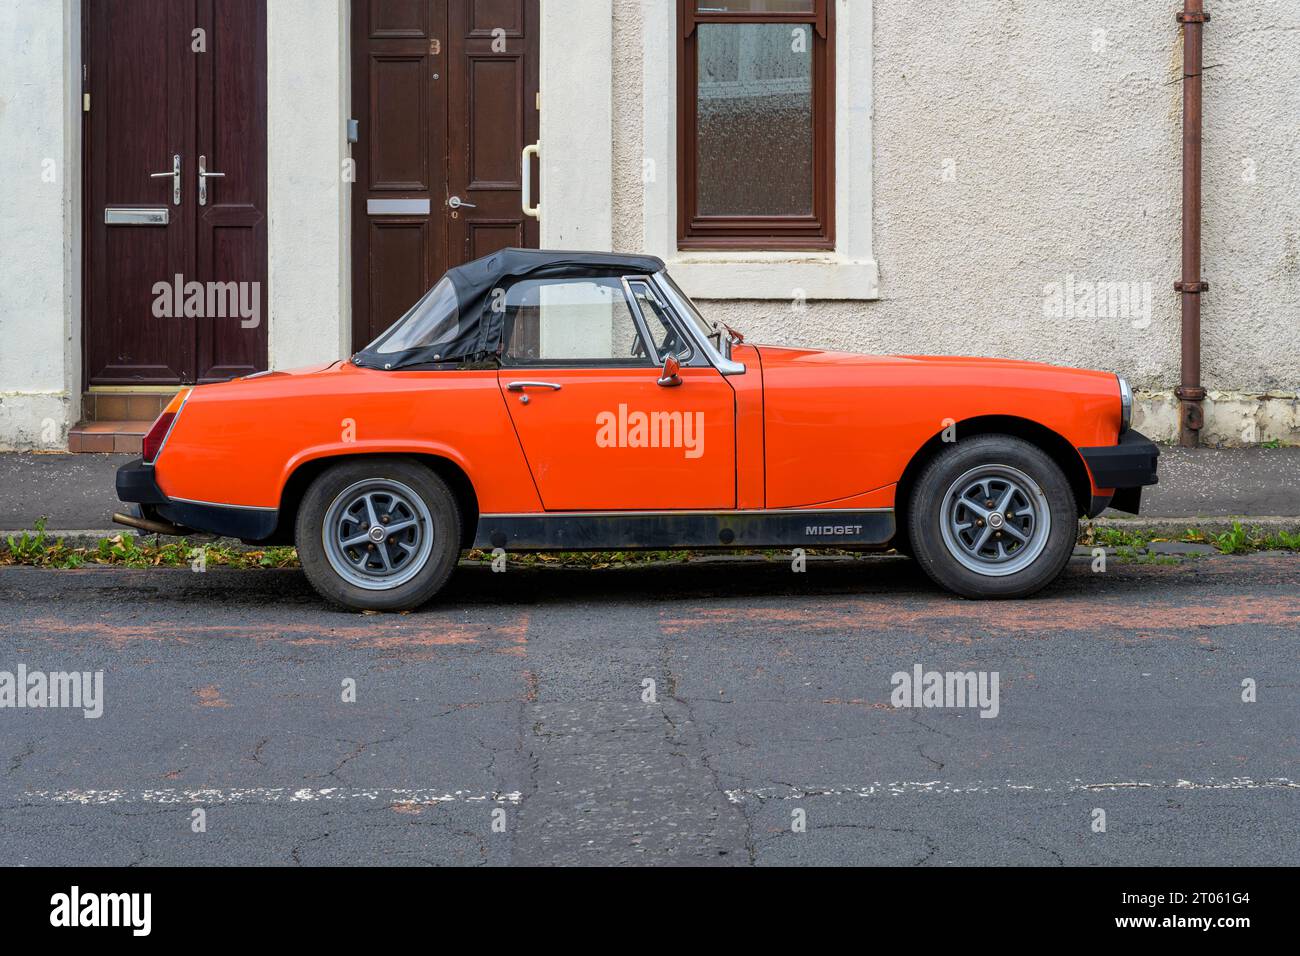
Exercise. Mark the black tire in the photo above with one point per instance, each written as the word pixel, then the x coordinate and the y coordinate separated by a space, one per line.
pixel 1011 568
pixel 417 581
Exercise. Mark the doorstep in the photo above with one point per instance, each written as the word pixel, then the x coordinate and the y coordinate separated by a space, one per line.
pixel 125 404
pixel 121 437
pixel 116 420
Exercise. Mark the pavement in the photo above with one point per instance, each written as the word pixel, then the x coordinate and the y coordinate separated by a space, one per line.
pixel 75 492
pixel 727 715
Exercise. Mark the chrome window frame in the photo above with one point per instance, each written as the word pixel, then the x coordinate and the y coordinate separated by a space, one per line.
pixel 677 304
pixel 695 358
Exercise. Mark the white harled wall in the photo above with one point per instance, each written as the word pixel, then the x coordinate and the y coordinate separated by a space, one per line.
pixel 309 235
pixel 40 222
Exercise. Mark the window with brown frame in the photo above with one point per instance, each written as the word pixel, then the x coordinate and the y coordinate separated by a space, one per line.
pixel 756 124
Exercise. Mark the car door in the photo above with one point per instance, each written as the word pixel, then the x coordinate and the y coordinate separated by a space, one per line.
pixel 599 431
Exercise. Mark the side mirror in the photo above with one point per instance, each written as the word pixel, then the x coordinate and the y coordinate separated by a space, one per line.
pixel 670 378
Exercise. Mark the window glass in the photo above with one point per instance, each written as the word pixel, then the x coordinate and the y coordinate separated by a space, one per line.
pixel 434 320
pixel 756 124
pixel 755 119
pixel 668 340
pixel 688 310
pixel 755 6
pixel 579 321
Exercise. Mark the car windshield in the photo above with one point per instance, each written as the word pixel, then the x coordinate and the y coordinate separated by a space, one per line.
pixel 433 321
pixel 686 308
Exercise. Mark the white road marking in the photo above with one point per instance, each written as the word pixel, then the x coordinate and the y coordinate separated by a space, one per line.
pixel 939 787
pixel 429 796
pixel 268 795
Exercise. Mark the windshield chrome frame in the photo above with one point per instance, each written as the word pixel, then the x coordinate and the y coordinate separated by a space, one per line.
pixel 724 364
pixel 696 357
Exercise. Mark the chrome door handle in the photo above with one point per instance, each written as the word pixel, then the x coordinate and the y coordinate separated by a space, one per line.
pixel 520 386
pixel 204 176
pixel 526 179
pixel 175 175
pixel 455 202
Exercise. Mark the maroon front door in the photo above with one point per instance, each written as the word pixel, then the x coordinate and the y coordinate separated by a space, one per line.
pixel 174 85
pixel 445 95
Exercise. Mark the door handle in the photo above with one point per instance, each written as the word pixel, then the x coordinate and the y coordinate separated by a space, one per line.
pixel 520 386
pixel 204 176
pixel 526 178
pixel 455 202
pixel 175 175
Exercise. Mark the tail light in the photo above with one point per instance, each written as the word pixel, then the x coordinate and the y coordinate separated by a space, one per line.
pixel 153 442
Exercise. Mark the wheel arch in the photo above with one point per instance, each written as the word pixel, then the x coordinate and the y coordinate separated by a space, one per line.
pixel 462 488
pixel 1051 443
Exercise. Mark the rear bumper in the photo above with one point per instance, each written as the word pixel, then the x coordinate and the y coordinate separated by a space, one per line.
pixel 1127 467
pixel 136 484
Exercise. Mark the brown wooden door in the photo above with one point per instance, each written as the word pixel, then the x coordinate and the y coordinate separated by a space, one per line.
pixel 492 59
pixel 160 90
pixel 231 241
pixel 445 94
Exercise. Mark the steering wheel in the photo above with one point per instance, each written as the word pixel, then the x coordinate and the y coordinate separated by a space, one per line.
pixel 671 344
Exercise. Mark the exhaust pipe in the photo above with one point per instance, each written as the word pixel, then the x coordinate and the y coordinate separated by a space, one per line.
pixel 152 527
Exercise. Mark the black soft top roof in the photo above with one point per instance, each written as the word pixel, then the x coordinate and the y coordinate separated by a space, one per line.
pixel 479 335
pixel 474 281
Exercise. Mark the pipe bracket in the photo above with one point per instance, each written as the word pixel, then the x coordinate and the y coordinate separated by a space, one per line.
pixel 1192 287
pixel 1193 420
pixel 1182 16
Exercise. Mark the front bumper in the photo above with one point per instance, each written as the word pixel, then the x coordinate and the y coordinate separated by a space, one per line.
pixel 1127 467
pixel 137 484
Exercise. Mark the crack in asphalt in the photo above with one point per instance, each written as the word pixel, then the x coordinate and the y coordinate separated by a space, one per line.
pixel 16 761
pixel 672 685
pixel 920 748
pixel 1060 860
pixel 360 747
pixel 297 848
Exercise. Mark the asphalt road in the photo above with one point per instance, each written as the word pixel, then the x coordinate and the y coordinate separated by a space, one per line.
pixel 520 698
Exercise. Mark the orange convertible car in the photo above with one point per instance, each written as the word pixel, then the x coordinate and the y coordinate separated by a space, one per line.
pixel 541 401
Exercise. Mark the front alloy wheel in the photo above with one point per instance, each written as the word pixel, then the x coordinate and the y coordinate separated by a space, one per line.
pixel 995 520
pixel 992 516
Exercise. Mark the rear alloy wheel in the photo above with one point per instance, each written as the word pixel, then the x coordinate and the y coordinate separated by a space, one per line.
pixel 993 517
pixel 378 534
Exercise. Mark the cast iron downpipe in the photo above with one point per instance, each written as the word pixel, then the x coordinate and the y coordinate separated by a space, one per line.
pixel 1190 391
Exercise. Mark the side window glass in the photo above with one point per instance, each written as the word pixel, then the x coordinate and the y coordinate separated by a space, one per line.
pixel 667 340
pixel 571 321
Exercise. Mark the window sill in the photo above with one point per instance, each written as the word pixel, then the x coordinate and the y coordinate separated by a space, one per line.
pixel 774 275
